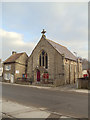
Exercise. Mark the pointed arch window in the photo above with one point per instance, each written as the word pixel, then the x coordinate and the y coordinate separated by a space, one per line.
pixel 43 59
pixel 40 60
pixel 46 59
pixel 43 54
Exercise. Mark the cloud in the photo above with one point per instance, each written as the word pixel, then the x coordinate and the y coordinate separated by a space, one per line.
pixel 14 41
pixel 65 23
pixel 78 46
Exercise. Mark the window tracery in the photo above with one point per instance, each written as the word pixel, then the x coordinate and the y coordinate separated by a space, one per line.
pixel 43 59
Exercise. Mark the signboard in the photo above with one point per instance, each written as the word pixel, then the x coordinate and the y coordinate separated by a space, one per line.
pixel 17 71
pixel 24 75
pixel 45 75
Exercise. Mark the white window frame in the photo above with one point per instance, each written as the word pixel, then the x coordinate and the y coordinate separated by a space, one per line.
pixel 7 67
pixel 7 76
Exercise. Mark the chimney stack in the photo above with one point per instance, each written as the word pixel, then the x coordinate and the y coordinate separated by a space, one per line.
pixel 14 52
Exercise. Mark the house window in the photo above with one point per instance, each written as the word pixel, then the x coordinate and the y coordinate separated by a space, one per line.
pixel 43 59
pixel 7 76
pixel 7 67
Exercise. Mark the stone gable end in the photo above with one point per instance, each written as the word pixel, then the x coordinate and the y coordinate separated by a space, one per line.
pixel 55 61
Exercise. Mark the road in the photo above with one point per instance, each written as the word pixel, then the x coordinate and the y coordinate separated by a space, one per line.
pixel 72 104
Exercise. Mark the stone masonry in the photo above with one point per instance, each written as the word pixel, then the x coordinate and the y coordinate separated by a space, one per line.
pixel 60 69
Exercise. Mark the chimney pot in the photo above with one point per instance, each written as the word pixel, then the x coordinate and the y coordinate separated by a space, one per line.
pixel 14 52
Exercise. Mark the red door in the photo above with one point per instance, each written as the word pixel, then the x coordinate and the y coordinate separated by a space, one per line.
pixel 38 76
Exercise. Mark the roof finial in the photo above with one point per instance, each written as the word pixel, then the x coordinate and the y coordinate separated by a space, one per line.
pixel 43 33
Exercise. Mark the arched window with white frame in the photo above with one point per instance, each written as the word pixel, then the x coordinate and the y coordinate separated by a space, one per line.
pixel 43 59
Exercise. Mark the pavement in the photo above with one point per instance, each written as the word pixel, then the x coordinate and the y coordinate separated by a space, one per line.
pixel 72 88
pixel 68 88
pixel 62 102
pixel 15 111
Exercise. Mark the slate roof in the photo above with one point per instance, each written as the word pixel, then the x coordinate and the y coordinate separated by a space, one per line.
pixel 62 50
pixel 13 58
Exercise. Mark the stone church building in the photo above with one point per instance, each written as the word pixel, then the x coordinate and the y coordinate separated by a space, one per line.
pixel 51 62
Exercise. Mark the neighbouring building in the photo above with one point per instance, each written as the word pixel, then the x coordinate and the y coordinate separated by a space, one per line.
pixel 85 64
pixel 14 66
pixel 50 61
pixel 85 67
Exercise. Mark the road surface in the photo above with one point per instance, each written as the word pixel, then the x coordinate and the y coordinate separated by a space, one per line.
pixel 72 104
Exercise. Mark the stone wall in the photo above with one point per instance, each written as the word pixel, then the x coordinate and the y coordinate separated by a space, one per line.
pixel 61 70
pixel 20 66
pixel 79 69
pixel 70 71
pixel 55 62
pixel 17 68
pixel 83 83
pixel 33 60
pixel 11 71
pixel 58 69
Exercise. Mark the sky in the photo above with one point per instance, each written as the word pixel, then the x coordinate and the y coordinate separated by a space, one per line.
pixel 22 23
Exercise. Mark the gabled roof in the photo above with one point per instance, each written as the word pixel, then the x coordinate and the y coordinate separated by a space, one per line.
pixel 62 50
pixel 13 58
